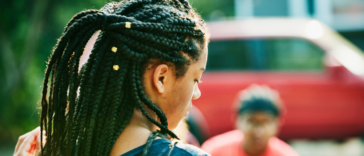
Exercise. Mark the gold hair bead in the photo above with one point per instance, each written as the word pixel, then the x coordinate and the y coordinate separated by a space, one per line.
pixel 114 49
pixel 128 25
pixel 116 67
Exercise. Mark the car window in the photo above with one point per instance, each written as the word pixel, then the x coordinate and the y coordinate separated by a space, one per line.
pixel 276 54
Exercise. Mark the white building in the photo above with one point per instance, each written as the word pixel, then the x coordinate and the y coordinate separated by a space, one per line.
pixel 342 15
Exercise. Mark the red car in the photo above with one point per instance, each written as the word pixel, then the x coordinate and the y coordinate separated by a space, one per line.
pixel 319 74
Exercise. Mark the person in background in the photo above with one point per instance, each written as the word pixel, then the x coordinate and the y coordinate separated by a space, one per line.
pixel 259 112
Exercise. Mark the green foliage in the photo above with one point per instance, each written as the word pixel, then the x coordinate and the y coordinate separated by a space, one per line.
pixel 28 31
pixel 211 10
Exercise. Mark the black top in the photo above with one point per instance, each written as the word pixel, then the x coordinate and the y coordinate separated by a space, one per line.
pixel 162 147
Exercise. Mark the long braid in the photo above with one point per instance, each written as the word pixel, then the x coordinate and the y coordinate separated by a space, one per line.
pixel 84 79
pixel 65 84
pixel 59 88
pixel 47 106
pixel 111 115
pixel 74 84
pixel 99 98
pixel 88 122
pixel 87 98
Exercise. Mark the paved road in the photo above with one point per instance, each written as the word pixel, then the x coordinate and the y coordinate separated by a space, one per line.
pixel 350 147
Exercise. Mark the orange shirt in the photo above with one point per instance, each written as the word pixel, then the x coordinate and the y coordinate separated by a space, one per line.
pixel 229 144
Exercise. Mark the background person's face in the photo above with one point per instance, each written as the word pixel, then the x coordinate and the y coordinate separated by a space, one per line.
pixel 258 128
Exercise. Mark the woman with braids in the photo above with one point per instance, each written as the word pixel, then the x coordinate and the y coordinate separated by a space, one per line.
pixel 136 86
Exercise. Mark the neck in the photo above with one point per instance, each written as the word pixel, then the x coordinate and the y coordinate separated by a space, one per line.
pixel 251 150
pixel 135 134
pixel 138 120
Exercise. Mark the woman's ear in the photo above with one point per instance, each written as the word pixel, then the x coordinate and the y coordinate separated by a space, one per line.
pixel 160 77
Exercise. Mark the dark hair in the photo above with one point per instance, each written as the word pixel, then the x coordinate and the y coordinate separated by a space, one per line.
pixel 89 123
pixel 258 104
pixel 259 98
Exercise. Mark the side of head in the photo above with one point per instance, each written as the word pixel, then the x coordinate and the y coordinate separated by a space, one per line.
pixel 171 91
pixel 259 109
pixel 145 53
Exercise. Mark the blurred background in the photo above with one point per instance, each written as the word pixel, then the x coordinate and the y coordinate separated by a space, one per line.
pixel 30 28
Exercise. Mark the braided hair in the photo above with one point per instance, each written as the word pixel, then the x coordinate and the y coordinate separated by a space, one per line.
pixel 87 110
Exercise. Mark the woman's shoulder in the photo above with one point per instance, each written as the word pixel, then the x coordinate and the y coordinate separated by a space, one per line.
pixel 164 147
